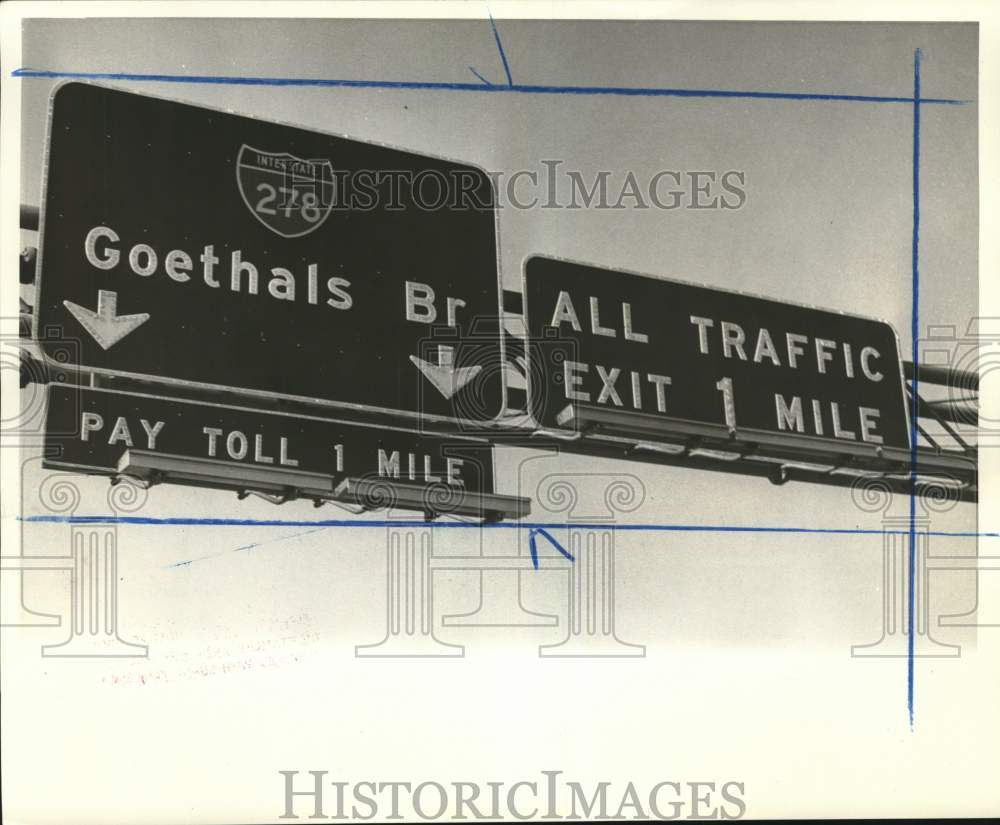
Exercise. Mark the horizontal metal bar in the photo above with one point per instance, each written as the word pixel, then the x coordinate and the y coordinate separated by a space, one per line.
pixel 287 485
pixel 150 466
pixel 453 501
pixel 757 453
pixel 27 265
pixel 947 376
pixel 513 302
pixel 944 409
pixel 29 217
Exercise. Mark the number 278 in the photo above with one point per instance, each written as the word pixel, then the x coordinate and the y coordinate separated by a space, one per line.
pixel 308 206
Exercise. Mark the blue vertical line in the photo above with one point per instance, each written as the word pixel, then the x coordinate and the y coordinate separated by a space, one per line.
pixel 915 384
pixel 503 56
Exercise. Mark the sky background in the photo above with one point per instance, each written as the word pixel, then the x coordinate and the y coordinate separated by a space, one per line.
pixel 827 222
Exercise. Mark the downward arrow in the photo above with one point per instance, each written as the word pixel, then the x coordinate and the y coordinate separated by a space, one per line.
pixel 443 375
pixel 107 327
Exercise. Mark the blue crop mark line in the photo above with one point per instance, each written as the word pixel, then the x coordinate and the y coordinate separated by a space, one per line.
pixel 480 76
pixel 915 351
pixel 533 547
pixel 628 91
pixel 501 525
pixel 503 56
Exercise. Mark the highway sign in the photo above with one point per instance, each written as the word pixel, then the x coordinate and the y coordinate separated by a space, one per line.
pixel 90 430
pixel 638 344
pixel 189 245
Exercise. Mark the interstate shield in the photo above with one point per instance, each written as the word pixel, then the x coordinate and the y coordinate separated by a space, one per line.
pixel 291 196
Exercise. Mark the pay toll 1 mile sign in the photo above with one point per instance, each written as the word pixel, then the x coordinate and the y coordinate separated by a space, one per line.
pixel 640 344
pixel 90 430
pixel 188 245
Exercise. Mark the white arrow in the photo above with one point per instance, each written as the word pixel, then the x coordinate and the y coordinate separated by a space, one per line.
pixel 448 378
pixel 107 327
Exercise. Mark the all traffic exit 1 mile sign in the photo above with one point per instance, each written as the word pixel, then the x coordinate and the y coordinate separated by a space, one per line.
pixel 681 352
pixel 194 246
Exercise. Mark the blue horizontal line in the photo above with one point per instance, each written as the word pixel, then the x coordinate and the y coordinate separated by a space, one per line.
pixel 626 91
pixel 508 525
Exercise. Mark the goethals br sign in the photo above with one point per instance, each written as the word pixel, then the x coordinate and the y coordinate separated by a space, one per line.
pixel 640 344
pixel 194 246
